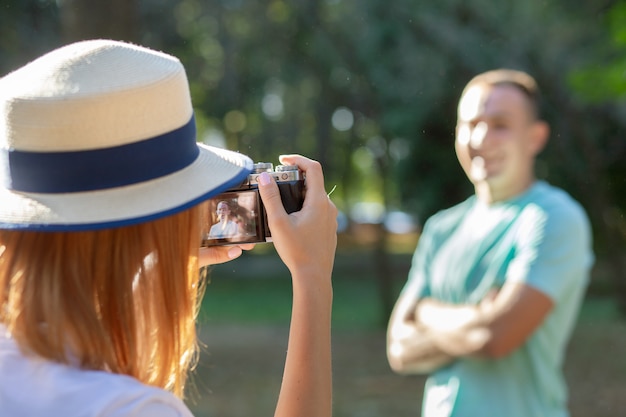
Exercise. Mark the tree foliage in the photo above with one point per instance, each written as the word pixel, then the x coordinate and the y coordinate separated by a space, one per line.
pixel 370 87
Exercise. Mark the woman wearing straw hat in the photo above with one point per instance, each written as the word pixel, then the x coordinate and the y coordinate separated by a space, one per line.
pixel 102 190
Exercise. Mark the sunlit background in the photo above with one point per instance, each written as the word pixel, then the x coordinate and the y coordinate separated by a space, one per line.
pixel 370 88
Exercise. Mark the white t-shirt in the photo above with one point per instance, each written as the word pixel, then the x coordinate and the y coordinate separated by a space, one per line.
pixel 32 387
pixel 224 230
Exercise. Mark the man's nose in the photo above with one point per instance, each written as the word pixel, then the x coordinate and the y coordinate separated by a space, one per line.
pixel 479 135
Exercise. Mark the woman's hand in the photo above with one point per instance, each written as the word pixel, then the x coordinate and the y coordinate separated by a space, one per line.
pixel 220 254
pixel 305 240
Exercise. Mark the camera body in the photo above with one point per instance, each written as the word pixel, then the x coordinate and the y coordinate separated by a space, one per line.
pixel 238 215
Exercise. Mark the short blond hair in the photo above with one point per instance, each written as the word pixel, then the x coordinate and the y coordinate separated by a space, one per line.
pixel 122 300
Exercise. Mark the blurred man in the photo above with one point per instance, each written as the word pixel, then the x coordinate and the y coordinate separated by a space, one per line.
pixel 497 280
pixel 225 226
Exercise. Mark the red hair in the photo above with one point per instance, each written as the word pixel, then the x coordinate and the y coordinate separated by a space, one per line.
pixel 123 300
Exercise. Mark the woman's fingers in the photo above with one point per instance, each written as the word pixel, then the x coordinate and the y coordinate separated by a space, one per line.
pixel 304 239
pixel 213 255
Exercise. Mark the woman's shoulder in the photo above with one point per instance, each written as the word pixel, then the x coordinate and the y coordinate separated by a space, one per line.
pixel 35 386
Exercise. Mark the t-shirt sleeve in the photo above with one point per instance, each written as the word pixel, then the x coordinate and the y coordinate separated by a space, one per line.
pixel 553 251
pixel 417 284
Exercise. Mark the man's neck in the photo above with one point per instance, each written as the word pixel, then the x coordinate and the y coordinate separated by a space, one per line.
pixel 491 195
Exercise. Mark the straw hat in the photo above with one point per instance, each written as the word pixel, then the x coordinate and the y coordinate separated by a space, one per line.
pixel 101 134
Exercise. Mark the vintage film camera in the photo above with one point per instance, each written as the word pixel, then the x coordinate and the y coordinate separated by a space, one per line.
pixel 238 215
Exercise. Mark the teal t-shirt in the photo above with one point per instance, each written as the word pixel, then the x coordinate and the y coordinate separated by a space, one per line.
pixel 541 238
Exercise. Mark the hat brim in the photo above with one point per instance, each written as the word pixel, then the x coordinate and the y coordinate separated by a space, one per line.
pixel 215 170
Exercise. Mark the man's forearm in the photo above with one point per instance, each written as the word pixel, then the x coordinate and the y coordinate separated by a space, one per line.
pixel 458 330
pixel 410 349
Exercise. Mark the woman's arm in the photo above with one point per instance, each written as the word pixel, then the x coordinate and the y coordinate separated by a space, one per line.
pixel 306 242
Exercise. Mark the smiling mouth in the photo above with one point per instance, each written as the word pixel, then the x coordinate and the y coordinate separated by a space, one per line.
pixel 482 168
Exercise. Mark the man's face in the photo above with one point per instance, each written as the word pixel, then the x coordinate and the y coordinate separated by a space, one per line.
pixel 497 138
pixel 223 211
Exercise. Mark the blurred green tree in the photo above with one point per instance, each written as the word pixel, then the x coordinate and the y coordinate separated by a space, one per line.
pixel 599 86
pixel 28 28
pixel 88 19
pixel 370 87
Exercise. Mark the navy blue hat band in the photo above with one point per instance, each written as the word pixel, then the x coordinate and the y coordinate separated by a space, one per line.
pixel 90 170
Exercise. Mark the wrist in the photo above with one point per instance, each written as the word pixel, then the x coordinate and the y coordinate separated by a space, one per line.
pixel 425 310
pixel 439 316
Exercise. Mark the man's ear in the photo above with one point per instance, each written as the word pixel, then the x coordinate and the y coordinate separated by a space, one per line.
pixel 539 136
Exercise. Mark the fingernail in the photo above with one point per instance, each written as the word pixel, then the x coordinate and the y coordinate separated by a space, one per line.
pixel 264 178
pixel 234 252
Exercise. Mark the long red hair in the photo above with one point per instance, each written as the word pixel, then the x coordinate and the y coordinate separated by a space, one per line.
pixel 122 300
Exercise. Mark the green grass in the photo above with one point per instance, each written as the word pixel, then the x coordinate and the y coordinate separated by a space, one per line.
pixel 256 289
pixel 268 301
pixel 247 300
pixel 248 303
